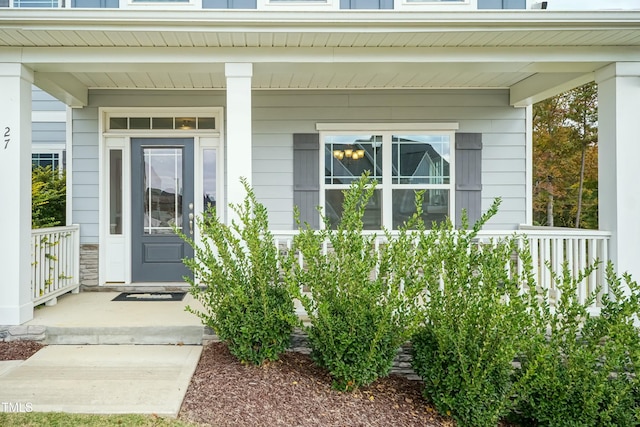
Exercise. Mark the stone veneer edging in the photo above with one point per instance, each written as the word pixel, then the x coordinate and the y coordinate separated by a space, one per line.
pixel 300 344
pixel 22 333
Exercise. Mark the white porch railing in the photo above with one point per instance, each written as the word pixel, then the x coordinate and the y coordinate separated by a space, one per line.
pixel 552 247
pixel 549 247
pixel 55 262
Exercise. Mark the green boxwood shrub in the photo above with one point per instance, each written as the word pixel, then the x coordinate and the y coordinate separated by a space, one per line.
pixel 237 280
pixel 473 310
pixel 582 370
pixel 361 304
pixel 475 322
pixel 48 197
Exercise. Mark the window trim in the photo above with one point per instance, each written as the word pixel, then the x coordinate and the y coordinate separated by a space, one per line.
pixel 435 5
pixel 161 112
pixel 56 159
pixel 159 5
pixel 387 130
pixel 58 5
pixel 298 5
pixel 52 148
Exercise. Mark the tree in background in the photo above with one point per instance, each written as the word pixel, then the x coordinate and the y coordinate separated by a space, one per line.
pixel 48 197
pixel 565 166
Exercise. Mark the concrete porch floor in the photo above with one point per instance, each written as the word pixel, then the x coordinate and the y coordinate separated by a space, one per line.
pixel 93 318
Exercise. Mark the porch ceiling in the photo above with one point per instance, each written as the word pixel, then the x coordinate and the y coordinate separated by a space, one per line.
pixel 531 51
pixel 320 75
pixel 405 69
pixel 323 79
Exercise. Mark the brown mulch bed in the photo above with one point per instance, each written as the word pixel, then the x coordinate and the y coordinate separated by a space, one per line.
pixel 294 392
pixel 18 350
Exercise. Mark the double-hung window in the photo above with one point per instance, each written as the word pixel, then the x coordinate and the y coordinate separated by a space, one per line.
pixel 401 159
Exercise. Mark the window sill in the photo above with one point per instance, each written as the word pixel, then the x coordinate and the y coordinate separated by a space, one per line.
pixel 299 5
pixel 190 5
pixel 436 6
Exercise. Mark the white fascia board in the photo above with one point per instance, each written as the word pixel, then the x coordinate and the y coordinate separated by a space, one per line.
pixel 619 69
pixel 328 21
pixel 542 86
pixel 10 54
pixel 131 59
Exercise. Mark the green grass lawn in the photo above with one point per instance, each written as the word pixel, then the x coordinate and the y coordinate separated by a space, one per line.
pixel 61 419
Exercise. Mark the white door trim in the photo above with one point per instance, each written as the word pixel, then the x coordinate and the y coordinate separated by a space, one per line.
pixel 114 253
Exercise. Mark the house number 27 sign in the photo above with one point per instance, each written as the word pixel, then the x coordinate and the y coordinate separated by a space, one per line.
pixel 7 136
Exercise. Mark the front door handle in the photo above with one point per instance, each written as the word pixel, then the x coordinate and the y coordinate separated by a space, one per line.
pixel 191 218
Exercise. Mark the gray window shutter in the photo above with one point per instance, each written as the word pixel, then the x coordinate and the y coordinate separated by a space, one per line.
pixel 306 177
pixel 468 176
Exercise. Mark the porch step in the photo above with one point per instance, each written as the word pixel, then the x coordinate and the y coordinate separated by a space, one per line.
pixel 176 335
pixel 95 318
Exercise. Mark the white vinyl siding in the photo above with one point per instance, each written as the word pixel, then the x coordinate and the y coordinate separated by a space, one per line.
pixel 85 173
pixel 48 129
pixel 48 133
pixel 273 177
pixel 42 101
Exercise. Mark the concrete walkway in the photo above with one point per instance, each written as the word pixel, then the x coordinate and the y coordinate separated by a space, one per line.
pixel 101 379
pixel 117 357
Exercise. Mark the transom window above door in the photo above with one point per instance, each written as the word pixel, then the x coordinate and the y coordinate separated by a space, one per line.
pixel 400 161
pixel 162 122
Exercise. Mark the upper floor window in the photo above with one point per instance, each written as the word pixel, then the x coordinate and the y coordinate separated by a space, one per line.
pixel 32 3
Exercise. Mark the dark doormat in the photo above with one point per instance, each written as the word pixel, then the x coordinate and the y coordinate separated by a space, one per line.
pixel 150 296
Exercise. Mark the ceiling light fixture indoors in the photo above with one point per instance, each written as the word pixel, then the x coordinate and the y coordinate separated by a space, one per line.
pixel 349 153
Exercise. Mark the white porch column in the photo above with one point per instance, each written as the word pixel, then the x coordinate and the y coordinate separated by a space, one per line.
pixel 618 158
pixel 15 194
pixel 238 131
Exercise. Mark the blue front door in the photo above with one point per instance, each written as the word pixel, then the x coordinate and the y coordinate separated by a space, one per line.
pixel 161 199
